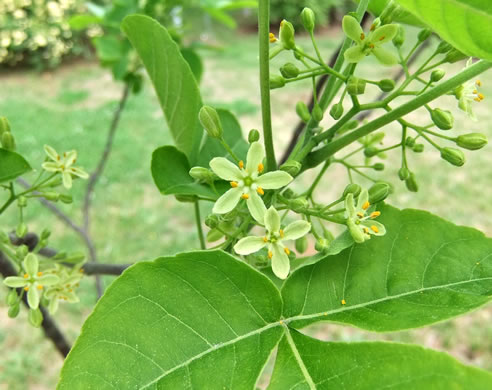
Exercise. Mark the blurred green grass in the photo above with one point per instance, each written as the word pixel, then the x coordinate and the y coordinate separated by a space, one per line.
pixel 72 108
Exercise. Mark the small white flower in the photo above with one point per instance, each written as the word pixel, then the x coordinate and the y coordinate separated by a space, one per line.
pixel 360 225
pixel 274 238
pixel 468 93
pixel 32 281
pixel 247 182
pixel 63 165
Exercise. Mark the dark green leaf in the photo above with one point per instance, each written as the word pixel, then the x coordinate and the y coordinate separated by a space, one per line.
pixel 12 165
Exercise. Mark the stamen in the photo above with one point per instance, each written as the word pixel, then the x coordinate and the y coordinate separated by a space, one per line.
pixel 241 164
pixel 64 154
pixel 360 215
pixel 344 302
pixel 234 184
pixel 26 288
pixel 58 157
pixel 272 38
pixel 26 276
pixel 261 167
pixel 477 99
pixel 475 91
pixel 481 96
pixel 40 286
pixel 478 83
pixel 375 214
pixel 265 239
pixel 366 205
pixel 371 45
pixel 366 230
pixel 373 27
pixel 362 36
pixel 287 251
pixel 245 196
pixel 62 166
pixel 40 274
pixel 382 38
pixel 281 231
pixel 375 229
pixel 270 254
pixel 260 191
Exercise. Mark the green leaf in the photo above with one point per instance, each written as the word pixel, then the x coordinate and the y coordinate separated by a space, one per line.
pixel 376 7
pixel 423 270
pixel 369 366
pixel 170 171
pixel 12 165
pixel 463 23
pixel 232 135
pixel 172 78
pixel 194 61
pixel 83 21
pixel 199 320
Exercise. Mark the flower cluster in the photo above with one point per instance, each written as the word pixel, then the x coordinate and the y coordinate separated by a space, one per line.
pixel 469 93
pixel 64 165
pixel 360 218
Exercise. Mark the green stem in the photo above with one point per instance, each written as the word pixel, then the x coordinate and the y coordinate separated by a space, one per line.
pixel 263 32
pixel 318 178
pixel 229 150
pixel 199 225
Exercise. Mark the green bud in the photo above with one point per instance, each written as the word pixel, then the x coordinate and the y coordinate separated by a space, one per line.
pixel 66 198
pixel 292 167
pixel 308 19
pixel 424 34
pixel 411 183
pixel 210 120
pixel 443 47
pixel 8 141
pixel 212 221
pixel 321 245
pixel 403 173
pixel 472 141
pixel 21 230
pixel 45 234
pixel 352 189
pixel 201 174
pixel 4 125
pixel 328 235
pixel 386 85
pixel 22 201
pixel 303 111
pixel 12 297
pixel 454 56
pixel 214 235
pixel 14 310
pixel 355 86
pixel 437 75
pixel 51 195
pixel 60 256
pixel 371 151
pixel 301 244
pixel 336 111
pixel 289 194
pixel 289 70
pixel 317 113
pixel 390 11
pixel 22 251
pixel 253 136
pixel 453 156
pixel 379 192
pixel 442 118
pixel 55 182
pixel 378 167
pixel 418 148
pixel 399 38
pixel 75 257
pixel 286 35
pixel 185 198
pixel 276 82
pixel 35 317
pixel 42 243
pixel 410 142
pixel 299 54
pixel 299 203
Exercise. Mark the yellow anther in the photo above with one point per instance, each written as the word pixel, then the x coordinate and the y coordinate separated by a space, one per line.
pixel 260 191
pixel 26 276
pixel 481 96
pixel 287 251
pixel 477 99
pixel 65 154
pixel 26 288
pixel 371 45
pixel 375 229
pixel 373 27
pixel 70 290
pixel 382 38
pixel 272 38
pixel 281 322
pixel 281 231
pixel 362 36
pixel 265 239
pixel 375 214
pixel 475 91
pixel 40 286
pixel 366 205
pixel 234 184
pixel 366 230
pixel 360 215
pixel 241 164
pixel 261 167
pixel 270 254
pixel 40 273
pixel 58 157
pixel 245 196
pixel 478 83
pixel 343 302
pixel 62 166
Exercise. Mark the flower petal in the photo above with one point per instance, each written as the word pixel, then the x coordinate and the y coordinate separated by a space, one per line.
pixel 51 166
pixel 280 261
pixel 256 207
pixel 272 220
pixel 274 180
pixel 33 297
pixel 354 54
pixel 48 280
pixel 15 281
pixel 51 153
pixel 373 226
pixel 53 305
pixel 225 169
pixel 31 264
pixel 383 34
pixel 67 180
pixel 384 56
pixel 356 231
pixel 350 206
pixel 79 172
pixel 466 105
pixel 227 201
pixel 255 157
pixel 248 245
pixel 362 200
pixel 351 28
pixel 296 230
pixel 69 158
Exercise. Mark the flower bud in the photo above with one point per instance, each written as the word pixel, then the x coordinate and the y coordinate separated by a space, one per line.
pixel 386 85
pixel 410 142
pixel 443 47
pixel 355 86
pixel 66 198
pixel 472 141
pixel 276 82
pixel 411 183
pixel 299 203
pixel 45 234
pixel 4 125
pixel 321 245
pixel 301 244
pixel 21 201
pixel 399 38
pixel 209 118
pixel 214 235
pixel 60 256
pixel 371 151
pixel 51 195
pixel 75 258
pixel 378 167
pixel 201 174
pixel 253 136
pixel 403 173
pixel 418 148
pixel 299 54
pixel 317 113
pixel 453 156
pixel 424 34
pixel 8 141
pixel 390 11
pixel 379 192
pixel 442 118
pixel 21 230
pixel 336 111
pixel 212 221
pixel 303 111
pixel 289 194
pixel 22 251
pixel 454 56
pixel 437 75
pixel 292 167
pixel 14 310
pixel 352 189
pixel 289 70
pixel 286 35
pixel 308 19
pixel 12 297
pixel 35 317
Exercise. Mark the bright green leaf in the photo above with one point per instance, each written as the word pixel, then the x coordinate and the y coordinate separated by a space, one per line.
pixel 423 270
pixel 377 6
pixel 200 320
pixel 172 78
pixel 83 21
pixel 369 366
pixel 463 23
pixel 12 165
